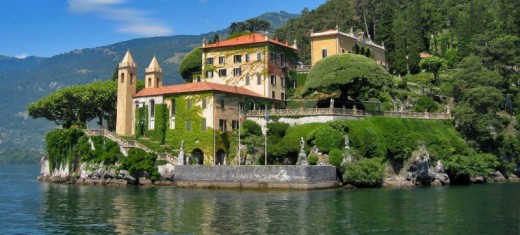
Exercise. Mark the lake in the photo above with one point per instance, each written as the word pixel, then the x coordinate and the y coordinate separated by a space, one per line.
pixel 28 206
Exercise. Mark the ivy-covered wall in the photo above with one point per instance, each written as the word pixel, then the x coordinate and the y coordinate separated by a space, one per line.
pixel 196 137
pixel 158 133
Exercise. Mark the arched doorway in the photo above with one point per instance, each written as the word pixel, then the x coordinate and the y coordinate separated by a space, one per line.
pixel 197 157
pixel 221 156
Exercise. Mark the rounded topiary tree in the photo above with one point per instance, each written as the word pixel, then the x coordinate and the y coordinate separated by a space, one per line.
pixel 349 75
pixel 192 63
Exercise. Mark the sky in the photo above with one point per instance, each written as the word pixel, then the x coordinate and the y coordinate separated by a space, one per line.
pixel 50 27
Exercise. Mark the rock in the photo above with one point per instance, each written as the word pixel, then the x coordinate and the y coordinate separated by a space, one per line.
pixel 110 174
pixel 440 167
pixel 496 177
pixel 349 186
pixel 129 179
pixel 143 181
pixel 167 171
pixel 477 180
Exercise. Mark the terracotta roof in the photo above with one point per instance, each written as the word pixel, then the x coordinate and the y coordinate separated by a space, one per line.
pixel 247 39
pixel 196 87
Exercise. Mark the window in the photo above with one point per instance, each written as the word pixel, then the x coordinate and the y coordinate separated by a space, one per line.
pixel 172 115
pixel 343 50
pixel 259 56
pixel 209 60
pixel 273 80
pixel 282 81
pixel 237 59
pixel 198 78
pixel 282 60
pixel 151 122
pixel 247 57
pixel 247 80
pixel 172 109
pixel 323 53
pixel 203 103
pixel 122 77
pixel 221 60
pixel 209 74
pixel 234 125
pixel 240 106
pixel 222 73
pixel 131 78
pixel 259 79
pixel 237 71
pixel 272 56
pixel 152 108
pixel 203 124
pixel 222 125
pixel 222 103
pixel 188 125
pixel 273 95
pixel 188 102
pixel 282 96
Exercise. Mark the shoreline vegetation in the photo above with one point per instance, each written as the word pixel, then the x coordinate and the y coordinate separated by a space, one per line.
pixel 404 153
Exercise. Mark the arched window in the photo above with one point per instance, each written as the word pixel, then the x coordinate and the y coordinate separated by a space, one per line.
pixel 152 108
pixel 151 121
pixel 131 78
pixel 149 82
pixel 122 77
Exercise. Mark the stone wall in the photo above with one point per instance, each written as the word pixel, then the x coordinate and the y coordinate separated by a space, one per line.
pixel 287 177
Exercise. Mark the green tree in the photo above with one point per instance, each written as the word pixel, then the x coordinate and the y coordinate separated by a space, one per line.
pixel 433 65
pixel 192 63
pixel 460 168
pixel 349 75
pixel 80 103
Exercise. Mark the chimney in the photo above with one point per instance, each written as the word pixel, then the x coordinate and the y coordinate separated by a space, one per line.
pixel 266 36
pixel 204 42
pixel 295 46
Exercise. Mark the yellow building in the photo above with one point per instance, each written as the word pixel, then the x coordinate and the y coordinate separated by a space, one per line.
pixel 200 114
pixel 253 61
pixel 332 42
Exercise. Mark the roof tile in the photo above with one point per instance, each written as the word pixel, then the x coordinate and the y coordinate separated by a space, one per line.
pixel 195 87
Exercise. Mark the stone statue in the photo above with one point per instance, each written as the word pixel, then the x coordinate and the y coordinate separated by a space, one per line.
pixel 302 157
pixel 180 158
pixel 347 142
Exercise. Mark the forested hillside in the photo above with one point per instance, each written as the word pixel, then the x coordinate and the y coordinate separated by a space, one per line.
pixel 472 68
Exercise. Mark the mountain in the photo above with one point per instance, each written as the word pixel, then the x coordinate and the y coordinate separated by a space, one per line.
pixel 28 79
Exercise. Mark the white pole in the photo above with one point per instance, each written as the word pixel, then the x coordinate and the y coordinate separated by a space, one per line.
pixel 239 117
pixel 265 137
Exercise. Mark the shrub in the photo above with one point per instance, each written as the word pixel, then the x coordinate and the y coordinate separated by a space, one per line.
pixel 367 172
pixel 313 159
pixel 277 128
pixel 461 168
pixel 138 161
pixel 327 138
pixel 250 128
pixel 335 157
pixel 425 103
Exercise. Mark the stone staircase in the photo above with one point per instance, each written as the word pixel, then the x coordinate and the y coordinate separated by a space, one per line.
pixel 129 144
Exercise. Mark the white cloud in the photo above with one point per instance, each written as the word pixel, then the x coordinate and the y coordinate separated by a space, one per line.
pixel 129 20
pixel 21 56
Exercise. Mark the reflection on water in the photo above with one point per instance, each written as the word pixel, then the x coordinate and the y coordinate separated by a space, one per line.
pixel 32 207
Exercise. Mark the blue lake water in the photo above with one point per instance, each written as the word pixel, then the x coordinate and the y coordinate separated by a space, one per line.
pixel 28 206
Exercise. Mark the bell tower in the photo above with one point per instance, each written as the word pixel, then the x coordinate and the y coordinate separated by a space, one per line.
pixel 126 89
pixel 153 75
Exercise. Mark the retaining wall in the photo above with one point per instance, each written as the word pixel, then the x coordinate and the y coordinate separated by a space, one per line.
pixel 281 177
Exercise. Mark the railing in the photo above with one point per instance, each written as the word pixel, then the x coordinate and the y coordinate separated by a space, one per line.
pixel 121 142
pixel 345 112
